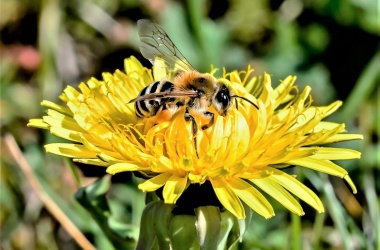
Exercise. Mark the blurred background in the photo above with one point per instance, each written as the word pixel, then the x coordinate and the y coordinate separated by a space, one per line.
pixel 333 46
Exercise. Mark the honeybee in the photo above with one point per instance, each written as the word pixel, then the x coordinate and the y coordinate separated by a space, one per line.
pixel 189 88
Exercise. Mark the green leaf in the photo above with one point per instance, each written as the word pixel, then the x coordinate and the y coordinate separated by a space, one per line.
pixel 122 229
pixel 93 199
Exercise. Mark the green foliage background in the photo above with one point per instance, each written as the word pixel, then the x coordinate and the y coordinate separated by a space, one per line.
pixel 333 46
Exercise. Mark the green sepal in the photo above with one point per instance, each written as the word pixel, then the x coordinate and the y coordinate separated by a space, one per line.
pixel 244 224
pixel 151 197
pixel 207 224
pixel 182 232
pixel 163 214
pixel 229 231
pixel 147 235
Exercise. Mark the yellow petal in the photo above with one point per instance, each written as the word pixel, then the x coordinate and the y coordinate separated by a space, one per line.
pixel 217 135
pixel 155 183
pixel 300 104
pixel 63 122
pixel 238 142
pixel 56 107
pixel 351 183
pixel 133 67
pixel 266 95
pixel 280 194
pixel 251 197
pixel 297 188
pixel 159 69
pixel 38 123
pixel 287 155
pixel 173 189
pixel 321 137
pixel 252 86
pixel 282 90
pixel 343 137
pixel 235 77
pixel 323 125
pixel 307 121
pixel 228 198
pixel 66 134
pixel 72 94
pixel 324 166
pixel 122 167
pixel 69 150
pixel 332 108
pixel 108 158
pixel 96 162
pixel 335 153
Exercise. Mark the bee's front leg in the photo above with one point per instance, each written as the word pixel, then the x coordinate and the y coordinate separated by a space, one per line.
pixel 208 114
pixel 188 118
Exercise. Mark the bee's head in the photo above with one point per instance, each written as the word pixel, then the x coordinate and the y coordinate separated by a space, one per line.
pixel 222 99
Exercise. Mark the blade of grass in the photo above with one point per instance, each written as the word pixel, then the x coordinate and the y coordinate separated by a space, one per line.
pixel 318 229
pixel 48 202
pixel 373 206
pixel 74 172
pixel 364 86
pixel 338 214
pixel 296 232
pixel 49 27
pixel 335 209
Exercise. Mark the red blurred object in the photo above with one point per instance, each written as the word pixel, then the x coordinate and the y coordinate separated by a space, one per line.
pixel 27 57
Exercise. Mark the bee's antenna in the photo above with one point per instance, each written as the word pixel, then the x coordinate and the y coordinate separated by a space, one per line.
pixel 245 99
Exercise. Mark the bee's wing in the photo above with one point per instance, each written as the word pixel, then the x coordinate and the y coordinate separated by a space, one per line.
pixel 160 95
pixel 155 43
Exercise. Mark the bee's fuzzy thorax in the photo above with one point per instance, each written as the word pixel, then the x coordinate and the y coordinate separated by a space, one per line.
pixel 195 81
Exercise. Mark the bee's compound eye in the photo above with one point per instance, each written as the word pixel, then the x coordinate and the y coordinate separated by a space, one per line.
pixel 223 98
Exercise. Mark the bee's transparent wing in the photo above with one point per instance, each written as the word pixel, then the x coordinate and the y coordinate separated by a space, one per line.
pixel 160 95
pixel 155 43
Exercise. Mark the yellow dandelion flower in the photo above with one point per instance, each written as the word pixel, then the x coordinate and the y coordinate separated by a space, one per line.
pixel 241 154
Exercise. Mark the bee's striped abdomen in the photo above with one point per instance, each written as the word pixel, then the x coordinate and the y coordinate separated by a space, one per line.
pixel 149 108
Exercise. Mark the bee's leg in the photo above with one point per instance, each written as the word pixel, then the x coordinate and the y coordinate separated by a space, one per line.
pixel 208 114
pixel 188 118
